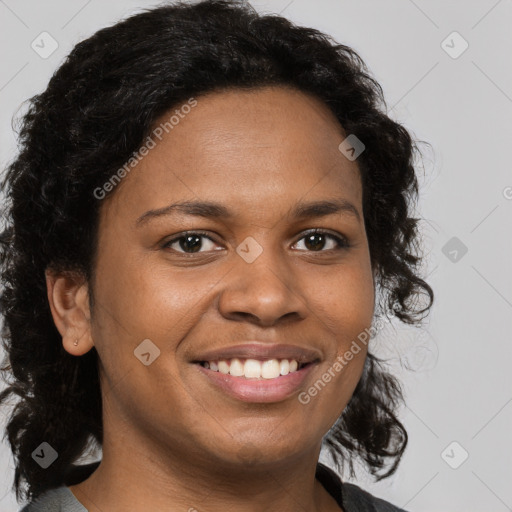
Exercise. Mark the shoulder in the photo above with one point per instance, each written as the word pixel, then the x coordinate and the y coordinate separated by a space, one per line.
pixel 355 499
pixel 49 500
pixel 60 499
pixel 349 496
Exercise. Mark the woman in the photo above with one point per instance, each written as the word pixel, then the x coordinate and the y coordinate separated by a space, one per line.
pixel 208 212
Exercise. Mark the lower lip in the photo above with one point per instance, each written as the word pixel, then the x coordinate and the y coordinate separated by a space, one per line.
pixel 258 390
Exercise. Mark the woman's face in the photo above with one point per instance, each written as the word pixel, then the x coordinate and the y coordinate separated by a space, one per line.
pixel 252 279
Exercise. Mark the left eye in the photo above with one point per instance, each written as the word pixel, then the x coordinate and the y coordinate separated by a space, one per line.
pixel 315 238
pixel 192 242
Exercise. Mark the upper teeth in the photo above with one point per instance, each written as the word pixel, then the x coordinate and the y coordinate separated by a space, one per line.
pixel 254 369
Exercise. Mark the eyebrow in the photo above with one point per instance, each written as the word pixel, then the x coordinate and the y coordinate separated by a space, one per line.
pixel 210 209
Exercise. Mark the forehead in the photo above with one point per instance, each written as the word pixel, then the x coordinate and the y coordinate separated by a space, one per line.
pixel 242 147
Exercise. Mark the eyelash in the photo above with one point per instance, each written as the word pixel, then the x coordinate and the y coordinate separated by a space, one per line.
pixel 341 242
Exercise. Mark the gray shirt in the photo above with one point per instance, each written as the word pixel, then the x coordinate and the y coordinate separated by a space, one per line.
pixel 350 497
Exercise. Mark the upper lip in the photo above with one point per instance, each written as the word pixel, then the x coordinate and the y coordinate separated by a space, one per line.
pixel 262 351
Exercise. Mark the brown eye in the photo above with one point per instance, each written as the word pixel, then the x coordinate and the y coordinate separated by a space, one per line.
pixel 316 241
pixel 190 243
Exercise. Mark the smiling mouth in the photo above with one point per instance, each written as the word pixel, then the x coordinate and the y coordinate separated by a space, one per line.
pixel 254 369
pixel 256 380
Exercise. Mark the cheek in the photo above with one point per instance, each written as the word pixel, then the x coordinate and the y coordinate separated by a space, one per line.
pixel 345 309
pixel 137 302
pixel 145 299
pixel 332 388
pixel 172 301
pixel 344 299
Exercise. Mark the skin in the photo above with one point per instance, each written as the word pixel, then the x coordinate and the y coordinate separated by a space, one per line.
pixel 171 440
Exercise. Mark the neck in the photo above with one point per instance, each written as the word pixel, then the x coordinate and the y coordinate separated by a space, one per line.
pixel 134 476
pixel 140 472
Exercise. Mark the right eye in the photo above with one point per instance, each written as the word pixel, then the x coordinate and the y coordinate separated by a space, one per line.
pixel 189 242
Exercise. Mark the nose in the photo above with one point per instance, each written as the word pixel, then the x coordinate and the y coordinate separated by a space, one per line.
pixel 264 292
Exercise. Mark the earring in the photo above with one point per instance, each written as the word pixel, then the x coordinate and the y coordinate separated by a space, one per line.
pixel 75 342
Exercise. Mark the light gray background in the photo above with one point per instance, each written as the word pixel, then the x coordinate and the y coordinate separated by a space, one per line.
pixel 460 387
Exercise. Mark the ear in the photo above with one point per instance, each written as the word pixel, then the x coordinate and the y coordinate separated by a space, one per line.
pixel 68 296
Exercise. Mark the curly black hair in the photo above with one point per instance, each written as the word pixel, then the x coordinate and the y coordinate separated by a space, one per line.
pixel 98 107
